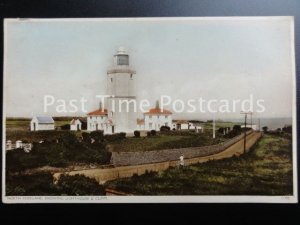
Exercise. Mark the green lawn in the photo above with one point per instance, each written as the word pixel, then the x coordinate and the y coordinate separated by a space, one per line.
pixel 162 141
pixel 265 170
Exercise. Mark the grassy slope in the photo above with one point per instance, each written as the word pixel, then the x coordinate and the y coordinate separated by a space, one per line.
pixel 266 170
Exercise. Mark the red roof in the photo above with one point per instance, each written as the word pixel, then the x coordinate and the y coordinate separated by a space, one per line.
pixel 98 112
pixel 159 111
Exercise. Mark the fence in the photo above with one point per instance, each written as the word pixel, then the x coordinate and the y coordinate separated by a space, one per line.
pixel 19 144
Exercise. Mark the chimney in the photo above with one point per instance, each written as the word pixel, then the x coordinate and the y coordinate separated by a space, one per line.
pixel 157 104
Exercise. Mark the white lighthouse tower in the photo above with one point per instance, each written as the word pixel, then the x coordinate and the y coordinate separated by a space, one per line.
pixel 121 91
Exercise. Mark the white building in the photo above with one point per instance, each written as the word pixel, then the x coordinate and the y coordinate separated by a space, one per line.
pixel 185 125
pixel 75 124
pixel 119 115
pixel 42 123
pixel 121 88
pixel 155 118
pixel 98 120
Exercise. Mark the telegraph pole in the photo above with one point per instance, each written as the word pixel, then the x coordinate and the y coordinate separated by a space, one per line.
pixel 214 127
pixel 245 132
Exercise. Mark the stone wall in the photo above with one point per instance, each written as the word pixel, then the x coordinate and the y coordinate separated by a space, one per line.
pixel 137 158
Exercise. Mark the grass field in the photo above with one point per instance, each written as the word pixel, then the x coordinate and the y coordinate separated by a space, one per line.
pixel 164 141
pixel 265 170
pixel 24 123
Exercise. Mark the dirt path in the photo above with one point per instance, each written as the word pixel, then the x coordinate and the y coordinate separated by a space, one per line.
pixel 102 175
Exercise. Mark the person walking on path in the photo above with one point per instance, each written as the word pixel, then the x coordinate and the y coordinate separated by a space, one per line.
pixel 181 160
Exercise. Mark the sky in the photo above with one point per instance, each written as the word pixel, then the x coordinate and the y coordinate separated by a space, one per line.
pixel 212 58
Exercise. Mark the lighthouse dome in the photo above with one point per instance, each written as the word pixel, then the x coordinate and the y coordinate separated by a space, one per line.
pixel 122 50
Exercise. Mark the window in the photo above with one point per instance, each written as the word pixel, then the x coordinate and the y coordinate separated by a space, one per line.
pixel 90 117
pixel 166 124
pixel 130 76
pixel 111 80
pixel 150 117
pixel 123 60
pixel 157 117
pixel 150 125
pixel 166 117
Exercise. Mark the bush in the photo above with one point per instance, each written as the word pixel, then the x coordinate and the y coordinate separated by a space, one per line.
pixel 67 151
pixel 287 129
pixel 233 133
pixel 123 135
pixel 153 132
pixel 65 127
pixel 115 137
pixel 86 137
pixel 97 135
pixel 137 133
pixel 41 184
pixel 148 133
pixel 165 128
pixel 30 185
pixel 79 185
pixel 237 128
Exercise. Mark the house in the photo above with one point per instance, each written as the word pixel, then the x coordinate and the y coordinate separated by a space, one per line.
pixel 76 124
pixel 185 125
pixel 156 118
pixel 181 125
pixel 42 123
pixel 253 126
pixel 98 120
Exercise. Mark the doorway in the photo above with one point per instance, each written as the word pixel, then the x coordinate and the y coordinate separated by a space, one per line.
pixel 112 129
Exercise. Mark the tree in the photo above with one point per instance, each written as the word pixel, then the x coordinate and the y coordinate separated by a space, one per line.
pixel 86 137
pixel 97 135
pixel 153 132
pixel 65 127
pixel 265 129
pixel 237 128
pixel 287 129
pixel 165 128
pixel 137 133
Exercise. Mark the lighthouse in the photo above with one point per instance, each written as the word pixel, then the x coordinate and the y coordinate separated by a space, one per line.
pixel 121 90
